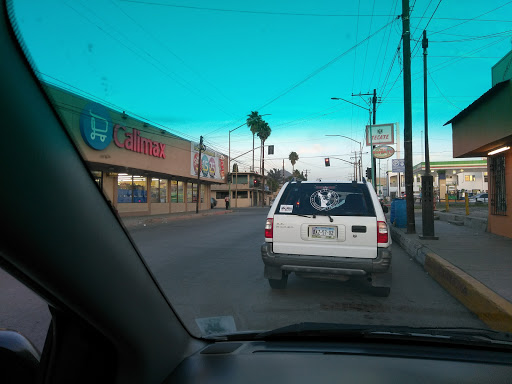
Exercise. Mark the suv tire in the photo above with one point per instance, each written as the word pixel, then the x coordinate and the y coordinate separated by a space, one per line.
pixel 381 291
pixel 279 284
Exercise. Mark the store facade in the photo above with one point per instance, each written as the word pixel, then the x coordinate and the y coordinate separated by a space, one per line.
pixel 141 169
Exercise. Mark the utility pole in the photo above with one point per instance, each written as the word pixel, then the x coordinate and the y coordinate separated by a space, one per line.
pixel 307 170
pixel 427 181
pixel 374 111
pixel 406 34
pixel 199 174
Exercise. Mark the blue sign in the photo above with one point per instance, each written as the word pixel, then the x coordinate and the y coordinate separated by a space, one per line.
pixel 96 126
pixel 398 165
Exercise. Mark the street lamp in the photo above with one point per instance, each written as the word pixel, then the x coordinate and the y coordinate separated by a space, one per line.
pixel 360 154
pixel 366 109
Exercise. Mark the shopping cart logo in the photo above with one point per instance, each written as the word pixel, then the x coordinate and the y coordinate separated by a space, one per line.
pixel 96 126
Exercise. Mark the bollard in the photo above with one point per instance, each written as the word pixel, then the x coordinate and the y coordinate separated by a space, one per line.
pixel 467 204
pixel 447 202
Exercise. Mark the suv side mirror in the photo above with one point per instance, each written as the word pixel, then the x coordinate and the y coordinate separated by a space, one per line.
pixel 385 208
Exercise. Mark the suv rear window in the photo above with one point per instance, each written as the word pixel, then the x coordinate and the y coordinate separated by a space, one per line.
pixel 334 199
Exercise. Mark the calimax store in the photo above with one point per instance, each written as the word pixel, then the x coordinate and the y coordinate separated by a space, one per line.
pixel 142 170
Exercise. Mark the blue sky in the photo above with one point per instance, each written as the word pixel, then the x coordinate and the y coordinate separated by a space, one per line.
pixel 199 67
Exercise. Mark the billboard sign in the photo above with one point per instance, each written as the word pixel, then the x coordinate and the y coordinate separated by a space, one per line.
pixel 383 152
pixel 381 134
pixel 213 163
pixel 398 165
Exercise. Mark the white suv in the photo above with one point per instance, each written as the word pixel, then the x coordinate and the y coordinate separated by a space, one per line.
pixel 324 229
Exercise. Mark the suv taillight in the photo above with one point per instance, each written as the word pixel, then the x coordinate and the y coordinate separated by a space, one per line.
pixel 269 229
pixel 382 232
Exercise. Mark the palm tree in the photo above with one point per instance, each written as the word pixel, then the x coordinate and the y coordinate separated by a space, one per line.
pixel 263 133
pixel 293 157
pixel 253 121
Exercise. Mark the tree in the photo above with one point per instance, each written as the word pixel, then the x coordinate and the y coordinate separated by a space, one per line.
pixel 254 121
pixel 274 178
pixel 293 157
pixel 297 175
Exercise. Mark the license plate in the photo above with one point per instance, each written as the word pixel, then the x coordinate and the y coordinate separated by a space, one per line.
pixel 323 232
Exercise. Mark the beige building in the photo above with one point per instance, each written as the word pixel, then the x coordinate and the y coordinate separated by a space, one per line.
pixel 246 190
pixel 141 169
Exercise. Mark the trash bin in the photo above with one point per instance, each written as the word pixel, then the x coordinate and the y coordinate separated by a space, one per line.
pixel 400 218
pixel 392 214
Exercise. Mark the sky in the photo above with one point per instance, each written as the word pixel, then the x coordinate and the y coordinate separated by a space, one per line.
pixel 200 67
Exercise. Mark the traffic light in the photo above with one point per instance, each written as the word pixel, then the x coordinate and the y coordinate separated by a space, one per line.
pixel 327 162
pixel 369 173
pixel 229 177
pixel 270 149
pixel 256 183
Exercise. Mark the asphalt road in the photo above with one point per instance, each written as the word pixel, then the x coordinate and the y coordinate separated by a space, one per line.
pixel 211 267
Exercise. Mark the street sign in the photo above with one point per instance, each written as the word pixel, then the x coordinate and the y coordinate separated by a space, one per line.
pixel 383 152
pixel 381 134
pixel 398 165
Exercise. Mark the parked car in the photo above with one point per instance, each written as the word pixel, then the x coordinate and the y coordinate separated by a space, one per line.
pixel 213 202
pixel 480 198
pixel 322 229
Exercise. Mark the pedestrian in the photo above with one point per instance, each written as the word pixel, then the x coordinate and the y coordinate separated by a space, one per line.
pixel 226 199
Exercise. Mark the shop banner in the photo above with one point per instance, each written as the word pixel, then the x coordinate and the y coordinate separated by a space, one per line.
pixel 213 164
pixel 381 134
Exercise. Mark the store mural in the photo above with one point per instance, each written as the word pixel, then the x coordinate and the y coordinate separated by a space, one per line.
pixel 213 163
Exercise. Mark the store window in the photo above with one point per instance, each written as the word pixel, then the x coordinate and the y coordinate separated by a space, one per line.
pixel 221 195
pixel 191 193
pixel 158 190
pixel 181 192
pixel 203 192
pixel 241 179
pixel 242 195
pixel 131 189
pixel 174 191
pixel 98 177
pixel 469 178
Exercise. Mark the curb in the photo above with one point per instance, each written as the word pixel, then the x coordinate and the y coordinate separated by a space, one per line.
pixel 491 308
pixel 477 223
pixel 149 221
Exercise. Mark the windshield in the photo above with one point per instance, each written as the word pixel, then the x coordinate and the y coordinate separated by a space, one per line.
pixel 192 116
pixel 347 199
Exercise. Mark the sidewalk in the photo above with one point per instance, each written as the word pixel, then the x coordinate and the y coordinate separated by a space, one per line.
pixel 472 265
pixel 143 221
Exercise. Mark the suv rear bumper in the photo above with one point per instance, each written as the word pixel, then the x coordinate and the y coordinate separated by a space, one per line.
pixel 276 263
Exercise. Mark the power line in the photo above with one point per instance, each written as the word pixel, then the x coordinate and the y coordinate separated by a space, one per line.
pixel 251 11
pixel 476 17
pixel 323 67
pixel 198 74
pixel 367 44
pixel 431 78
pixel 161 67
pixel 386 49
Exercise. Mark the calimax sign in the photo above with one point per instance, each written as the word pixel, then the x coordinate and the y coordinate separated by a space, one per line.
pixel 132 141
